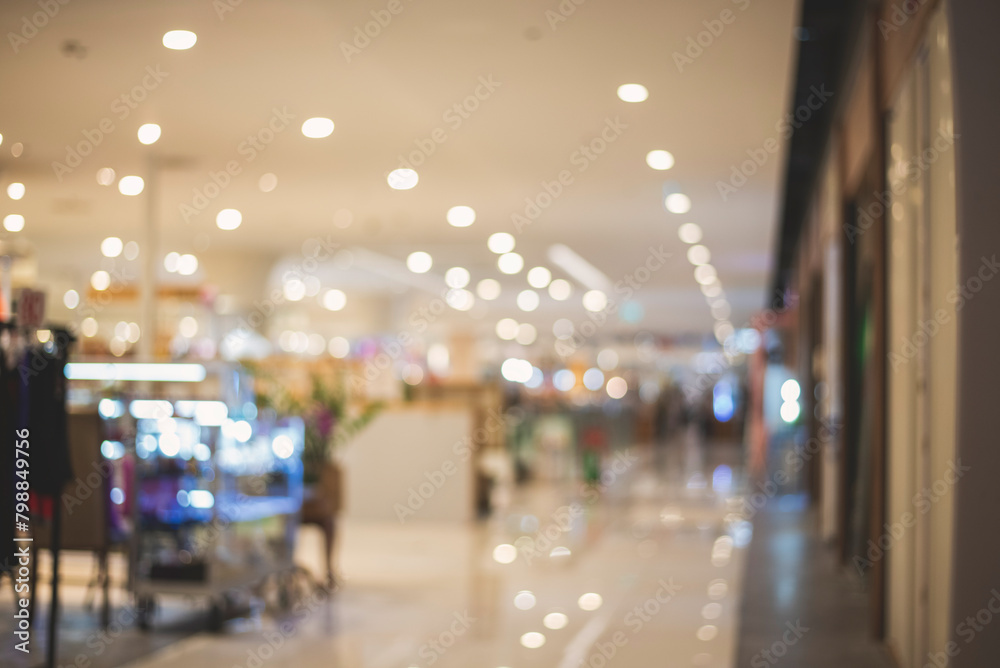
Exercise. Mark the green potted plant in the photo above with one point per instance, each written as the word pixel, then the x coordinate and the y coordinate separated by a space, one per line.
pixel 330 420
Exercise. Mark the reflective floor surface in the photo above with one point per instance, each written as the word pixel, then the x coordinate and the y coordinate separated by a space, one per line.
pixel 646 566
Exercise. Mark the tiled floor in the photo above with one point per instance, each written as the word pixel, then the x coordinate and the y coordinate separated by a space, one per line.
pixel 657 548
pixel 797 592
pixel 659 544
pixel 423 594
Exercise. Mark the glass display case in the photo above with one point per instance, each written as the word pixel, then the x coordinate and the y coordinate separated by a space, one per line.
pixel 217 500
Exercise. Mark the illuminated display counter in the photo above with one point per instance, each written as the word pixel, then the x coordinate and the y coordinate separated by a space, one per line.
pixel 217 499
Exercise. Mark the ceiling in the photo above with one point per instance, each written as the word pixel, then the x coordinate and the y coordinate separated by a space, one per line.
pixel 555 90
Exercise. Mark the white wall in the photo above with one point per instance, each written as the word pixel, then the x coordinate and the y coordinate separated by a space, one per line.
pixel 942 352
pixel 901 378
pixel 923 352
pixel 410 462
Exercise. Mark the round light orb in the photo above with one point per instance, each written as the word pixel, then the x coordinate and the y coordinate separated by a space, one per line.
pixel 419 262
pixel 461 216
pixel 660 160
pixel 402 179
pixel 179 40
pixel 632 92
pixel 317 128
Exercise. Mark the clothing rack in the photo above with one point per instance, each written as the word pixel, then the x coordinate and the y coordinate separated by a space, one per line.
pixel 34 380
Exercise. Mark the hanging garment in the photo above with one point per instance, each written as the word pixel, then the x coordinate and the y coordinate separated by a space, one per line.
pixel 47 420
pixel 8 426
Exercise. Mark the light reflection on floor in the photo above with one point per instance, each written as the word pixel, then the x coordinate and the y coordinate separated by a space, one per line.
pixel 646 569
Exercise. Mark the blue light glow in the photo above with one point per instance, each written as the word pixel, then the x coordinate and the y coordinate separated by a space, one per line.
pixel 722 401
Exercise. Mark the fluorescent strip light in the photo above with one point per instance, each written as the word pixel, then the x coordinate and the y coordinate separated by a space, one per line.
pixel 585 273
pixel 395 270
pixel 167 373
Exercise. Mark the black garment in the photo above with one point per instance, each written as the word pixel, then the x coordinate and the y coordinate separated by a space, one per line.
pixel 8 425
pixel 47 421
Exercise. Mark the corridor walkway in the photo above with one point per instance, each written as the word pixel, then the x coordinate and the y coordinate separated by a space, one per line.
pixel 649 564
pixel 646 566
pixel 797 584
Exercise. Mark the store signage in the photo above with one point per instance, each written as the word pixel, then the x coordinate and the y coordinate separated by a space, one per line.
pixel 31 308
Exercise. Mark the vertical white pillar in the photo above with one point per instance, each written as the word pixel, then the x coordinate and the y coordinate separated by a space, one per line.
pixel 150 254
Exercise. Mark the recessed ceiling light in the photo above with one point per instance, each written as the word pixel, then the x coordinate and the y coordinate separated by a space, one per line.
pixel 698 255
pixel 690 233
pixel 632 92
pixel 187 265
pixel 713 289
pixel 526 334
pixel 460 299
pixel 510 263
pixel 131 250
pixel 717 589
pixel 595 301
pixel 148 133
pixel 660 159
pixel 179 40
pixel 461 216
pixel 188 327
pixel 334 300
pixel 339 347
pixel 402 179
pixel 295 290
pixel 705 274
pixel 112 247
pixel 507 329
pixel 488 289
pixel 267 182
pixel 105 176
pixel 560 289
pixel 723 330
pixel 130 185
pixel 13 222
pixel 228 219
pixel 590 601
pixel 677 203
pixel 100 280
pixel 313 285
pixel 15 190
pixel 539 277
pixel 555 621
pixel 457 277
pixel 419 262
pixel 504 553
pixel 527 300
pixel 524 600
pixel 170 261
pixel 71 299
pixel 317 128
pixel 500 242
pixel 533 639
